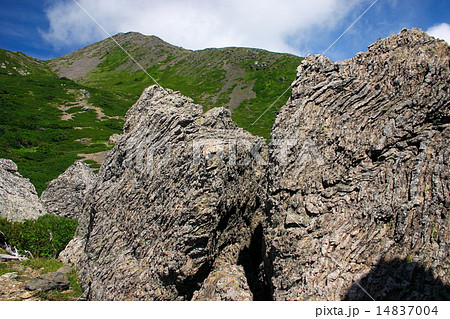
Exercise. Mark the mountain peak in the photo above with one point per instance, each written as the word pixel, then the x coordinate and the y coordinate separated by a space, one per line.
pixel 239 79
pixel 139 38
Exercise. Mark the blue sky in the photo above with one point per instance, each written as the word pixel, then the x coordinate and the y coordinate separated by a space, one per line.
pixel 51 28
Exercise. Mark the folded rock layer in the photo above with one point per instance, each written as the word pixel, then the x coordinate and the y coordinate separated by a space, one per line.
pixel 349 201
pixel 179 190
pixel 359 171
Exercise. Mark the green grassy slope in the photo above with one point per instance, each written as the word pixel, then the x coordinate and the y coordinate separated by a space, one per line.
pixel 31 130
pixel 245 80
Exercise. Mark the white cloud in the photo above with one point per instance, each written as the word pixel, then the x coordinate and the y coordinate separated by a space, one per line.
pixel 197 24
pixel 441 31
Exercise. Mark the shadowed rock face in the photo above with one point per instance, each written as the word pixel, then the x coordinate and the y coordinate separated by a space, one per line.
pixel 398 279
pixel 353 186
pixel 179 191
pixel 363 175
pixel 18 197
pixel 65 195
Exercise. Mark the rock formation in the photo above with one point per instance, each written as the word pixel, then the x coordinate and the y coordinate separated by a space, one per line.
pixel 65 195
pixel 350 201
pixel 177 199
pixel 359 172
pixel 18 197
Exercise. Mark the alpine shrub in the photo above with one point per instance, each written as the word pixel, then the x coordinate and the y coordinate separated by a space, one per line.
pixel 46 236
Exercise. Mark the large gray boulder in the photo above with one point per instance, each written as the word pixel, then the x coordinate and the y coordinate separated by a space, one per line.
pixel 177 191
pixel 65 195
pixel 359 176
pixel 18 197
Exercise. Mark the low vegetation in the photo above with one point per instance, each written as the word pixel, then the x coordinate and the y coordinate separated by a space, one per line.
pixel 46 236
pixel 208 76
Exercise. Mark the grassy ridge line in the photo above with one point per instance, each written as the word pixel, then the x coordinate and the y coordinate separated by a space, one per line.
pixel 212 77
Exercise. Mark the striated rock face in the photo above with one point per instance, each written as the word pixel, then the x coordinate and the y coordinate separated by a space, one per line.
pixel 177 200
pixel 226 283
pixel 350 200
pixel 18 197
pixel 65 195
pixel 228 280
pixel 359 176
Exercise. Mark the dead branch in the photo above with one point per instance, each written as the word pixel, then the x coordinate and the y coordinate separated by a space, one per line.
pixel 9 257
pixel 12 254
pixel 51 242
pixel 29 253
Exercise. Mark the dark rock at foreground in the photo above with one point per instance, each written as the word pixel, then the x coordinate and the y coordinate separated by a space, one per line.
pixel 49 281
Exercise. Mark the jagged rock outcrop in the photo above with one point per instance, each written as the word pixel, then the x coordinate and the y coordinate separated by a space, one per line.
pixel 359 176
pixel 225 283
pixel 176 200
pixel 350 201
pixel 65 195
pixel 18 197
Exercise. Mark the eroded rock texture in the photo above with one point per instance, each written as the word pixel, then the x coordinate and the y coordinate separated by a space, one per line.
pixel 227 281
pixel 350 201
pixel 359 176
pixel 176 200
pixel 18 197
pixel 65 195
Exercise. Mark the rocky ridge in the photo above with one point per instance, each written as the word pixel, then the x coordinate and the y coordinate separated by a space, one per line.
pixel 351 193
pixel 191 179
